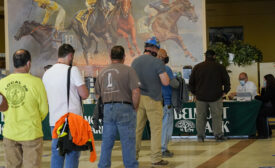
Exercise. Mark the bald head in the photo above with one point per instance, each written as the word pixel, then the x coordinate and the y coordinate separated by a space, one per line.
pixel 243 76
pixel 21 58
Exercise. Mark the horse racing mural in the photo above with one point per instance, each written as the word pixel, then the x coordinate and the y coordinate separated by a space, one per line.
pixel 94 26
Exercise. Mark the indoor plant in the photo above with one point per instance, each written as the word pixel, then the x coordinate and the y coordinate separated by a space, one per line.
pixel 244 54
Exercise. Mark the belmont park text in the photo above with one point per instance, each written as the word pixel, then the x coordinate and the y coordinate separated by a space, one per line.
pixel 185 120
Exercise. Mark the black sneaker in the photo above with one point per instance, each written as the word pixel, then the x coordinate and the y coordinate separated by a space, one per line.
pixel 262 137
pixel 221 138
pixel 200 138
pixel 252 136
pixel 161 163
pixel 167 154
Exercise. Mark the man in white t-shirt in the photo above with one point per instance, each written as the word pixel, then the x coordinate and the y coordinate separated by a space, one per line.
pixel 245 86
pixel 55 81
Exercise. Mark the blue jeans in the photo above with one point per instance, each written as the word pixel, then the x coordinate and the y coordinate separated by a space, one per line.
pixel 71 159
pixel 167 126
pixel 121 118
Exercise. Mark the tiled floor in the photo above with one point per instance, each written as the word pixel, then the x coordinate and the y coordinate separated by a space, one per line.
pixel 234 153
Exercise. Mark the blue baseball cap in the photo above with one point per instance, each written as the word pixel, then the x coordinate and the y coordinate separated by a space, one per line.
pixel 153 41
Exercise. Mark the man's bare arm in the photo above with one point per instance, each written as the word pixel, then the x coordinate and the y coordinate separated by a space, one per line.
pixel 83 92
pixel 164 78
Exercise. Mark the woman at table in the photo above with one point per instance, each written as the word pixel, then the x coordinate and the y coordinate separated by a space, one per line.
pixel 268 107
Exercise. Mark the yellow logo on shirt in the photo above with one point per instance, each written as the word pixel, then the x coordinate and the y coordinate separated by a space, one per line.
pixel 16 93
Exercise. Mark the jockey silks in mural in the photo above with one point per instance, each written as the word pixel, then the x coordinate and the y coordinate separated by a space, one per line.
pixel 94 26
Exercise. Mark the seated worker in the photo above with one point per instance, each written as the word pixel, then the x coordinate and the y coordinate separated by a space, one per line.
pixel 245 86
pixel 268 107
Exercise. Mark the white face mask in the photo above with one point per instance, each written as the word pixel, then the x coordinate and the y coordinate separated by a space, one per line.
pixel 242 82
pixel 264 83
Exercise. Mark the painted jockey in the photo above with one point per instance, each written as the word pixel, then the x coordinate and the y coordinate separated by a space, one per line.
pixel 152 9
pixel 90 5
pixel 109 5
pixel 52 7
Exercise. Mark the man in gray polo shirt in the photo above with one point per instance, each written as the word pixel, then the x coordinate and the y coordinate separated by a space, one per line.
pixel 118 86
pixel 151 72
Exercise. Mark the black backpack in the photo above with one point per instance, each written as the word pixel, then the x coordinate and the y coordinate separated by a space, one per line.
pixel 179 93
pixel 98 114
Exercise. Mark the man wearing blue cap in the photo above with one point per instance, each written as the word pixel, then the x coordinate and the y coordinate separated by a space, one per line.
pixel 152 75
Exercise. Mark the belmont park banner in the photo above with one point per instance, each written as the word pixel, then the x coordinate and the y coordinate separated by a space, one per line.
pixel 94 26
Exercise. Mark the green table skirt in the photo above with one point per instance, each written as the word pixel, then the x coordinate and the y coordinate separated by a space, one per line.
pixel 239 118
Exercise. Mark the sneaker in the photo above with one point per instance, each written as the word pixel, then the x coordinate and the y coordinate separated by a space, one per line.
pixel 262 137
pixel 161 163
pixel 167 154
pixel 200 138
pixel 252 136
pixel 221 138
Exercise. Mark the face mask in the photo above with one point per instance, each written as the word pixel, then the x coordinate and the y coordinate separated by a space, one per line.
pixel 154 54
pixel 166 60
pixel 264 83
pixel 242 82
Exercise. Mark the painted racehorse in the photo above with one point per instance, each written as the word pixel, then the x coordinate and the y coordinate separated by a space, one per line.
pixel 125 24
pixel 165 24
pixel 42 34
pixel 96 28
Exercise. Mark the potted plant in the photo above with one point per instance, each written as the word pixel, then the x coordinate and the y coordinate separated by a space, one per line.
pixel 244 54
pixel 221 51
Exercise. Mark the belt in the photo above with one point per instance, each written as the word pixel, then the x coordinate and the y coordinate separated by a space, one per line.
pixel 120 102
pixel 168 106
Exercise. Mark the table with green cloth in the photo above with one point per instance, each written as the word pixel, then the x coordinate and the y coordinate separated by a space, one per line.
pixel 239 118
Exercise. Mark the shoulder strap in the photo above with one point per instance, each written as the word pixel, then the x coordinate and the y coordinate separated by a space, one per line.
pixel 68 86
pixel 68 89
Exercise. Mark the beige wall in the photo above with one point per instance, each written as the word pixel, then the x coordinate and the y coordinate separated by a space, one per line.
pixel 257 19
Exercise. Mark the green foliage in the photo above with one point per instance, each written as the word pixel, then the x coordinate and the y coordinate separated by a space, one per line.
pixel 221 51
pixel 245 54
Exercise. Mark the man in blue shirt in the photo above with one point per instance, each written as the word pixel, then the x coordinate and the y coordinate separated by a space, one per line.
pixel 168 116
